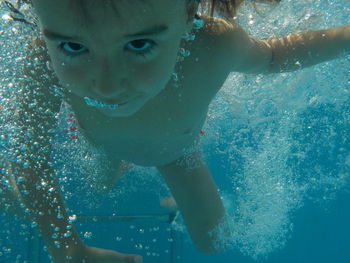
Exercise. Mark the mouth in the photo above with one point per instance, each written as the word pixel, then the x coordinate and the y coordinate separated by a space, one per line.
pixel 98 104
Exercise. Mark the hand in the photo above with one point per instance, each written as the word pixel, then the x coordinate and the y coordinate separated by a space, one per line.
pixel 99 255
pixel 168 203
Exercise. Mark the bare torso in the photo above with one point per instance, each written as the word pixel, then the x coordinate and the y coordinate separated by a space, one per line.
pixel 170 123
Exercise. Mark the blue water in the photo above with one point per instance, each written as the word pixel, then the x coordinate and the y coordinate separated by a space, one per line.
pixel 277 146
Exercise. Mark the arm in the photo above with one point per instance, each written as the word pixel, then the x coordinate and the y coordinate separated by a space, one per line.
pixel 304 49
pixel 36 181
pixel 38 186
pixel 197 197
pixel 292 52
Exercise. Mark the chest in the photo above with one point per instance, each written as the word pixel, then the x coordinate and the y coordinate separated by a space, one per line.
pixel 157 134
pixel 166 126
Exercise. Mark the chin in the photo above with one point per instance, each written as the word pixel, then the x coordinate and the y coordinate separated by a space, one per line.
pixel 117 114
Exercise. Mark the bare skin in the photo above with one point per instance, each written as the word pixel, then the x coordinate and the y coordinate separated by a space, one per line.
pixel 161 123
pixel 171 122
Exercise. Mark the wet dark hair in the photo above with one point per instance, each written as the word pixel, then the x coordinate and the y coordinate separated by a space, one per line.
pixel 225 8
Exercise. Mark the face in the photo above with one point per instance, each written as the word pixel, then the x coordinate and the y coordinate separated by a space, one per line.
pixel 118 52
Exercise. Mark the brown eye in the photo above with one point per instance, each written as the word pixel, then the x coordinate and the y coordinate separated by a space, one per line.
pixel 140 45
pixel 72 48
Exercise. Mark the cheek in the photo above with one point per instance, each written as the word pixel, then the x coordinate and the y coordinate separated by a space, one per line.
pixel 157 72
pixel 69 74
pixel 66 72
pixel 154 77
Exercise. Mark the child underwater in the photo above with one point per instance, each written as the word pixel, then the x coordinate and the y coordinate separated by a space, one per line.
pixel 139 77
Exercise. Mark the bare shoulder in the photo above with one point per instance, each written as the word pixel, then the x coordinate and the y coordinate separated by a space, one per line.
pixel 220 30
pixel 223 39
pixel 238 51
pixel 230 37
pixel 209 56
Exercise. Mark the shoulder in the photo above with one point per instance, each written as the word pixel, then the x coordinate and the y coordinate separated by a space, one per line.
pixel 213 38
pixel 238 50
pixel 215 26
pixel 219 29
pixel 227 38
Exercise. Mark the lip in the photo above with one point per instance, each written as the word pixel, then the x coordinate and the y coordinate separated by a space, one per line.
pixel 110 102
pixel 115 103
pixel 122 103
pixel 101 104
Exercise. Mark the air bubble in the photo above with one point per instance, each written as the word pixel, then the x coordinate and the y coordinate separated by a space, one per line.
pixel 67 234
pixel 88 235
pixel 73 218
pixel 189 36
pixel 139 246
pixel 183 52
pixel 49 66
pixel 298 64
pixel 7 17
pixel 198 24
pixel 57 244
pixel 59 216
pixel 175 76
pixel 20 179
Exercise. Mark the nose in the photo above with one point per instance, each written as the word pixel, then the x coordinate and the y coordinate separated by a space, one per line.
pixel 108 80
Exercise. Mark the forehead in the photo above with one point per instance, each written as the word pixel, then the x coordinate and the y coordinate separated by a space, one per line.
pixel 88 8
pixel 90 12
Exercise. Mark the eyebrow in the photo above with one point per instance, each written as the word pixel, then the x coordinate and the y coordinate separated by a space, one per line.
pixel 152 31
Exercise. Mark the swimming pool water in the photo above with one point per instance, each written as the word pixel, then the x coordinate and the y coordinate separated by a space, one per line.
pixel 277 145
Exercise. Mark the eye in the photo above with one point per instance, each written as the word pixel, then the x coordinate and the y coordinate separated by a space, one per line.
pixel 72 48
pixel 141 46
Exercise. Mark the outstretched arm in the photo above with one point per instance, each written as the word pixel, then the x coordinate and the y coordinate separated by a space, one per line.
pixel 197 197
pixel 292 52
pixel 307 48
